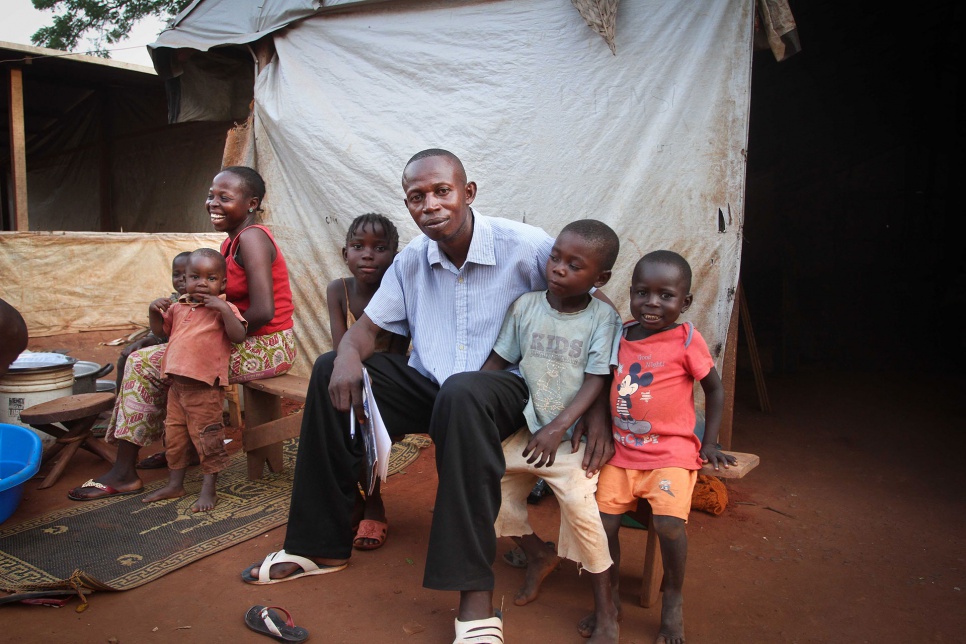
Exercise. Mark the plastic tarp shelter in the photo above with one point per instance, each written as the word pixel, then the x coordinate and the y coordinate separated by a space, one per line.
pixel 550 124
pixel 100 153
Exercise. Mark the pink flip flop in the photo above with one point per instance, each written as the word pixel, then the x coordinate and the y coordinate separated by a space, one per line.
pixel 369 529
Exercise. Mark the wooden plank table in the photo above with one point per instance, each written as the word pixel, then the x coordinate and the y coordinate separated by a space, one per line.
pixel 76 414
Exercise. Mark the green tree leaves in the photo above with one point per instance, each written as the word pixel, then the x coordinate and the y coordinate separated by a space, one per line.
pixel 103 22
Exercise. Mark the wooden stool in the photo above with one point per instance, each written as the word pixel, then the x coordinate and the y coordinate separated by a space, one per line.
pixel 234 406
pixel 265 427
pixel 77 415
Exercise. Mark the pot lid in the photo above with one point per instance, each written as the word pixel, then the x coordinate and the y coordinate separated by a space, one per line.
pixel 37 360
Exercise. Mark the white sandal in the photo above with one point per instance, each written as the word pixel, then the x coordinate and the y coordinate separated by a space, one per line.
pixel 480 631
pixel 308 567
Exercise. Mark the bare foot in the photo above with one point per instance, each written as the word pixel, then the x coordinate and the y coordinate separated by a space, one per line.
pixel 167 492
pixel 537 570
pixel 588 624
pixel 672 619
pixel 205 502
pixel 208 498
pixel 606 632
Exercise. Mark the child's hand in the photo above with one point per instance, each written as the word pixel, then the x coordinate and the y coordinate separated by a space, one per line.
pixel 711 454
pixel 210 301
pixel 147 341
pixel 160 305
pixel 543 445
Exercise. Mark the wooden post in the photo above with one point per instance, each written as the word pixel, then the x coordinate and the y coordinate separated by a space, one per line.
pixel 756 367
pixel 240 142
pixel 264 49
pixel 105 182
pixel 18 151
pixel 729 368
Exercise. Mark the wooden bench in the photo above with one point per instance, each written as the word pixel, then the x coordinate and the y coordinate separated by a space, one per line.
pixel 653 565
pixel 265 426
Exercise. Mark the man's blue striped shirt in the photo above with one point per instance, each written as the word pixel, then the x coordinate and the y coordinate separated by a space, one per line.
pixel 454 315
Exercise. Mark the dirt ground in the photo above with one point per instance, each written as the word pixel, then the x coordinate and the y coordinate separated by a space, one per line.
pixel 850 530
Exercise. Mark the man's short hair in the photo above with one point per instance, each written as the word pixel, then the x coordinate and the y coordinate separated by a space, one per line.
pixel 437 152
pixel 601 236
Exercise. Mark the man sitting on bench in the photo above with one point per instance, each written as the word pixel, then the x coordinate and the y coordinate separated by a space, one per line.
pixel 450 288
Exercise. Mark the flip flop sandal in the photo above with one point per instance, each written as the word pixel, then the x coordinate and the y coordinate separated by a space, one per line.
pixel 369 529
pixel 480 631
pixel 106 489
pixel 308 567
pixel 267 621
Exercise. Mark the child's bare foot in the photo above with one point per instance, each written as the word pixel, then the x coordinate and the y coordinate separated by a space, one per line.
pixel 538 567
pixel 205 502
pixel 606 632
pixel 672 619
pixel 588 625
pixel 208 498
pixel 167 492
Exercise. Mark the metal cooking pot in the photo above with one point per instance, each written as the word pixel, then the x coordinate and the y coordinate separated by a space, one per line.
pixel 86 373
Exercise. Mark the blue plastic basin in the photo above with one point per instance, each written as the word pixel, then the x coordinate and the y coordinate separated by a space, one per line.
pixel 20 451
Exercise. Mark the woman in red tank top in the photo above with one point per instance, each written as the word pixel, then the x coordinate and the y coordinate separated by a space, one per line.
pixel 257 284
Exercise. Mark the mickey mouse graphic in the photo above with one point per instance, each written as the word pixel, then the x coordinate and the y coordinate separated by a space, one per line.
pixel 626 388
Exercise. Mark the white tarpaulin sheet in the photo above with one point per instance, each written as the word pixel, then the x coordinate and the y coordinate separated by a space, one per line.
pixel 548 122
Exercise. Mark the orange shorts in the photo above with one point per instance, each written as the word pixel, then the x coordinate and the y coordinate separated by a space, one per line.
pixel 668 490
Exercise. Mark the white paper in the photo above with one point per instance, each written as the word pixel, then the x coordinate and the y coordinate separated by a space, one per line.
pixel 378 443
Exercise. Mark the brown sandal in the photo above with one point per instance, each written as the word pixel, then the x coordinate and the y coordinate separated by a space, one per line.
pixel 369 529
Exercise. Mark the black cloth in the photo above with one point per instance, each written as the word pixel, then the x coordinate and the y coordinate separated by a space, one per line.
pixel 467 418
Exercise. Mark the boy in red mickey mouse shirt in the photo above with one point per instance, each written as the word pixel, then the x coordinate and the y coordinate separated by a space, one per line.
pixel 652 404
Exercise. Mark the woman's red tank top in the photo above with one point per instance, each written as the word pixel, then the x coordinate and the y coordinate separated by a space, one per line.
pixel 237 290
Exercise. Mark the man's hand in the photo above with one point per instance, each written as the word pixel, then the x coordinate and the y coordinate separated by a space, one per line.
pixel 345 385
